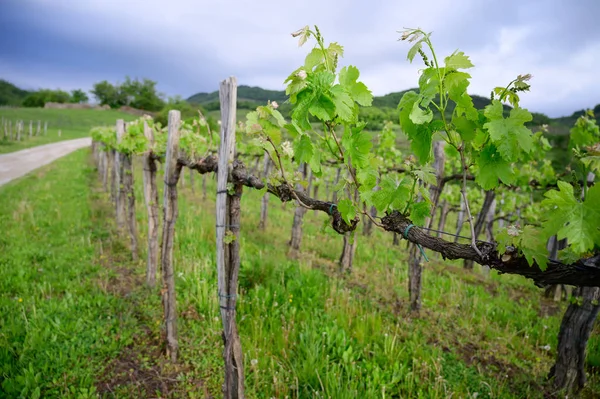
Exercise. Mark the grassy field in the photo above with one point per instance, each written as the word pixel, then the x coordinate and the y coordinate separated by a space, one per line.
pixel 77 322
pixel 73 124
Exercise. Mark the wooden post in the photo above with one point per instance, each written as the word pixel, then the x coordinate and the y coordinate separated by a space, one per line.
pixel 119 189
pixel 264 206
pixel 10 131
pixel 299 212
pixel 414 262
pixel 130 204
pixel 30 128
pixel 172 172
pixel 151 198
pixel 19 129
pixel 204 177
pixel 45 128
pixel 228 261
pixel 39 128
pixel 59 133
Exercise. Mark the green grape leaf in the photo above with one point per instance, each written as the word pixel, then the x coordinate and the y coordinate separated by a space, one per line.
pixel 465 127
pixel 344 105
pixel 347 210
pixel 300 112
pixel 360 93
pixel 503 240
pixel 458 60
pixel 533 246
pixel 314 58
pixel 428 86
pixel 323 108
pixel 491 167
pixel 303 149
pixel 574 220
pixel 401 195
pixel 357 144
pixel 315 163
pixel 419 115
pixel 385 195
pixel 426 174
pixel 415 49
pixel 421 142
pixel 367 178
pixel 509 134
pixel 293 129
pixel 405 107
pixel 419 211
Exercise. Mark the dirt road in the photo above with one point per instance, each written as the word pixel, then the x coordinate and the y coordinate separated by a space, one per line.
pixel 19 163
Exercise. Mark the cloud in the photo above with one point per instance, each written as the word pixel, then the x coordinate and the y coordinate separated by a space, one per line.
pixel 189 45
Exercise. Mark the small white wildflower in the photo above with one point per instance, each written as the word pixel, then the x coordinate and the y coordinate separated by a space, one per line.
pixel 203 122
pixel 253 362
pixel 545 327
pixel 526 336
pixel 275 303
pixel 180 274
pixel 475 394
pixel 274 105
pixel 287 149
pixel 219 122
pixel 302 74
pixel 546 347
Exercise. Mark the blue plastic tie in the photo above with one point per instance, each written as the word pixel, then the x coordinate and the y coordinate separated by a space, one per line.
pixel 418 245
pixel 331 208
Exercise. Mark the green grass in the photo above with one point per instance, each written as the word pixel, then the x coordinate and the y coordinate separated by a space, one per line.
pixel 306 332
pixel 73 124
pixel 59 320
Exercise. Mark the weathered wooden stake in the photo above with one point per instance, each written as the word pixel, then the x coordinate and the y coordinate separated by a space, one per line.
pixel 228 261
pixel 170 211
pixel 120 196
pixel 45 128
pixel 129 192
pixel 30 128
pixel 299 212
pixel 39 128
pixel 151 198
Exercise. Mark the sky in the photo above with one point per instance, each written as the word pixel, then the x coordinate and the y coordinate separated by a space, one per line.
pixel 189 46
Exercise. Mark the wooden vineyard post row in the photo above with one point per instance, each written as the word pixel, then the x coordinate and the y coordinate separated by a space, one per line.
pixel 151 199
pixel 130 204
pixel 119 187
pixel 228 256
pixel 172 172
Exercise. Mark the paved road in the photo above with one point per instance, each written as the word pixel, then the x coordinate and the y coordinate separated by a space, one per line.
pixel 17 164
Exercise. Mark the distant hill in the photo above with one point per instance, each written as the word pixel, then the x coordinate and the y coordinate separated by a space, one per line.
pixel 245 93
pixel 11 94
pixel 260 96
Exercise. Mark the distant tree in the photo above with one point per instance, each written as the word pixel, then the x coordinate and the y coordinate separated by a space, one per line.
pixel 79 96
pixel 142 94
pixel 134 93
pixel 109 94
pixel 41 97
